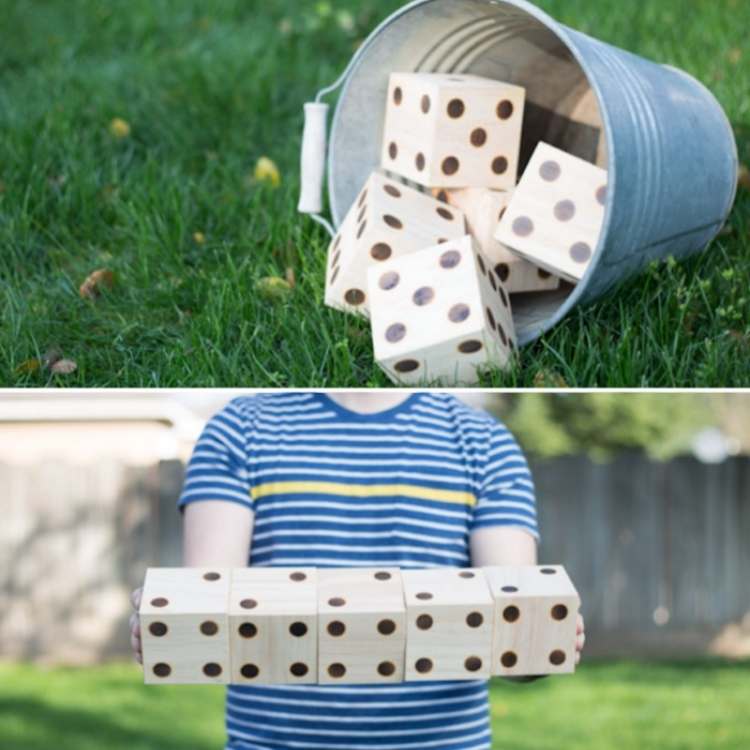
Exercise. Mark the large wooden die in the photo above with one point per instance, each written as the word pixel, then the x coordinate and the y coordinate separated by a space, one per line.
pixel 556 214
pixel 449 624
pixel 184 625
pixel 536 608
pixel 483 210
pixel 451 130
pixel 273 626
pixel 440 315
pixel 387 220
pixel 361 626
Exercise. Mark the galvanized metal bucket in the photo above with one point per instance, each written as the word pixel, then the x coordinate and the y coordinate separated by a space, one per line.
pixel 665 140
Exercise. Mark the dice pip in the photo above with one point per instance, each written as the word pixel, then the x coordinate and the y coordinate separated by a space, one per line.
pixel 483 210
pixel 453 130
pixel 449 624
pixel 361 634
pixel 440 315
pixel 273 626
pixel 556 214
pixel 184 625
pixel 387 220
pixel 535 620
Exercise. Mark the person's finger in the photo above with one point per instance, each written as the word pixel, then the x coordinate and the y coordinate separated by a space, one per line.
pixel 135 598
pixel 580 641
pixel 579 624
pixel 135 644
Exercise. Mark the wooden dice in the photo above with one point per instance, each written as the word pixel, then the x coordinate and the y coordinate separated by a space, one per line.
pixel 184 625
pixel 556 214
pixel 453 130
pixel 296 626
pixel 361 619
pixel 273 623
pixel 449 624
pixel 483 210
pixel 535 620
pixel 439 315
pixel 387 220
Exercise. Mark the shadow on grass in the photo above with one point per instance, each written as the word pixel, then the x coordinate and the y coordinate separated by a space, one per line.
pixel 35 725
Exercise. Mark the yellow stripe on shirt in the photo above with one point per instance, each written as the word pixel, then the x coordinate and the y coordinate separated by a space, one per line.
pixel 363 490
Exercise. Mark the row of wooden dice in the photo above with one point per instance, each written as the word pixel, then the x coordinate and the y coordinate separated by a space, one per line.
pixel 443 132
pixel 355 625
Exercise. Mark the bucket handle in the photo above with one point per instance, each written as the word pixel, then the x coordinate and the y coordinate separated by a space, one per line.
pixel 313 155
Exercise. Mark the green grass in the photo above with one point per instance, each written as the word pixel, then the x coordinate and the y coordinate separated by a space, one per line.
pixel 617 706
pixel 210 87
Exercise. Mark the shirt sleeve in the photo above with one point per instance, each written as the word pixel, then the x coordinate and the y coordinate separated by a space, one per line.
pixel 506 496
pixel 217 470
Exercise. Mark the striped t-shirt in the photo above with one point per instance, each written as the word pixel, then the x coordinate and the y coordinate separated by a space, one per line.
pixel 333 488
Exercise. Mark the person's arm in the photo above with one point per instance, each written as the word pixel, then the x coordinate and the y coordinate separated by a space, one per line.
pixel 215 533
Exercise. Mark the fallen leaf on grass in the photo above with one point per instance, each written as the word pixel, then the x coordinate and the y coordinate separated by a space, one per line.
pixel 743 178
pixel 549 379
pixel 28 366
pixel 92 286
pixel 119 128
pixel 52 355
pixel 64 367
pixel 267 171
pixel 273 289
pixel 291 279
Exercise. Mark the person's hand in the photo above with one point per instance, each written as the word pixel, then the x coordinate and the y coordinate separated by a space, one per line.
pixel 135 626
pixel 580 637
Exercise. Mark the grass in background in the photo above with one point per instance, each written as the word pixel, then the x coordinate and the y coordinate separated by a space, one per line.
pixel 606 706
pixel 207 89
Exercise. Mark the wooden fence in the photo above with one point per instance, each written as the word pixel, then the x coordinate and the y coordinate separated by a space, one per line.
pixel 660 552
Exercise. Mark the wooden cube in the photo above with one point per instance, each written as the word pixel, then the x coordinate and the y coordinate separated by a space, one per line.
pixel 184 625
pixel 273 625
pixel 556 214
pixel 361 619
pixel 387 220
pixel 535 620
pixel 439 315
pixel 483 210
pixel 453 130
pixel 449 624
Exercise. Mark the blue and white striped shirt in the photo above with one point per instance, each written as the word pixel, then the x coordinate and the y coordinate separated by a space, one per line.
pixel 332 488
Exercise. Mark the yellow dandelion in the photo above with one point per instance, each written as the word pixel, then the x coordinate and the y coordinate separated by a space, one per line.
pixel 267 171
pixel 199 238
pixel 119 128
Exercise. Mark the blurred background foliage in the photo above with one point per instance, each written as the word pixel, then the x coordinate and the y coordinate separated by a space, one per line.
pixel 602 424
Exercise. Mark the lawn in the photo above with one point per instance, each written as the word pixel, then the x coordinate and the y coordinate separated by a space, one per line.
pixel 170 206
pixel 606 706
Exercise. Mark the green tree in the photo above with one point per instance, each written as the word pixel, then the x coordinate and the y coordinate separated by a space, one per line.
pixel 601 424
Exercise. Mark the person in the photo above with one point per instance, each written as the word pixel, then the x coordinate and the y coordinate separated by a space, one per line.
pixel 357 479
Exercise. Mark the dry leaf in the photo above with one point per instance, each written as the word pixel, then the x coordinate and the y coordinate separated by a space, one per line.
pixel 119 128
pixel 52 355
pixel 743 178
pixel 273 289
pixel 267 171
pixel 64 367
pixel 290 277
pixel 28 366
pixel 549 379
pixel 91 288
